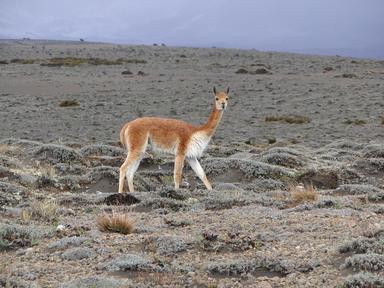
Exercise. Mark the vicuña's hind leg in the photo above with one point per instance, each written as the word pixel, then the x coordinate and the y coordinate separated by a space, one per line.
pixel 132 162
pixel 179 164
pixel 123 171
pixel 195 165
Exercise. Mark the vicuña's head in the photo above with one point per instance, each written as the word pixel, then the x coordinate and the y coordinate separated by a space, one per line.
pixel 221 99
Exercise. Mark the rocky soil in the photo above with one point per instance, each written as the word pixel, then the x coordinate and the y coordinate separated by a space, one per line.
pixel 292 121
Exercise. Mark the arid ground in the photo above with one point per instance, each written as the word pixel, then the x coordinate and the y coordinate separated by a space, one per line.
pixel 297 166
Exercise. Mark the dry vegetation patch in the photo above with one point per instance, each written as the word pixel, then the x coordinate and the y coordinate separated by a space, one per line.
pixel 290 119
pixel 69 103
pixel 75 61
pixel 23 61
pixel 119 223
pixel 355 122
pixel 302 193
pixel 46 209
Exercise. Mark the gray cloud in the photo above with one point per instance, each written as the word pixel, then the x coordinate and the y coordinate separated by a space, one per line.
pixel 346 27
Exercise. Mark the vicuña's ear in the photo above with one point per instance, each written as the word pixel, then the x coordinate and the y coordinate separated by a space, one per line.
pixel 214 90
pixel 227 91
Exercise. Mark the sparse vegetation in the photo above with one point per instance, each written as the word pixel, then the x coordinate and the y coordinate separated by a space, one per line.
pixel 13 236
pixel 249 230
pixel 126 72
pixel 75 61
pixel 23 61
pixel 363 280
pixel 290 119
pixel 52 153
pixel 369 261
pixel 261 71
pixel 69 103
pixel 348 75
pixel 119 223
pixel 241 71
pixel 302 193
pixel 355 122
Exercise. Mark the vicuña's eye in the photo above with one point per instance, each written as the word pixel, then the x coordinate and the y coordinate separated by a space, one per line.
pixel 217 98
pixel 226 98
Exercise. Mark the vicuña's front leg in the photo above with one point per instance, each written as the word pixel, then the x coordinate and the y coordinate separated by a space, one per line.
pixel 179 164
pixel 195 165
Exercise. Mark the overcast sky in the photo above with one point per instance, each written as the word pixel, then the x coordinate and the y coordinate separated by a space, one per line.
pixel 344 27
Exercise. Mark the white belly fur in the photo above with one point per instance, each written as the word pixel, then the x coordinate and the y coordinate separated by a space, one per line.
pixel 155 147
pixel 197 144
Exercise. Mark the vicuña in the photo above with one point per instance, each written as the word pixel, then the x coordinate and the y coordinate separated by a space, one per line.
pixel 185 141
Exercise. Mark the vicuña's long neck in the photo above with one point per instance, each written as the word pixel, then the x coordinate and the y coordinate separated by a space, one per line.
pixel 213 121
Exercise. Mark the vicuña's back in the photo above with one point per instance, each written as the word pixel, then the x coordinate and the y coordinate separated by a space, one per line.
pixel 173 136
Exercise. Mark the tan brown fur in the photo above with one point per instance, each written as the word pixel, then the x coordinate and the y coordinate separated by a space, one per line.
pixel 182 139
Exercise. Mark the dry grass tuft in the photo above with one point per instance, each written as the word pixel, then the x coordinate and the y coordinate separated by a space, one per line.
pixel 46 209
pixel 382 120
pixel 4 148
pixel 119 223
pixel 302 193
pixel 25 215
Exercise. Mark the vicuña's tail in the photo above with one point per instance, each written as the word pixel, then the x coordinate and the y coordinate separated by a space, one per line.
pixel 123 139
